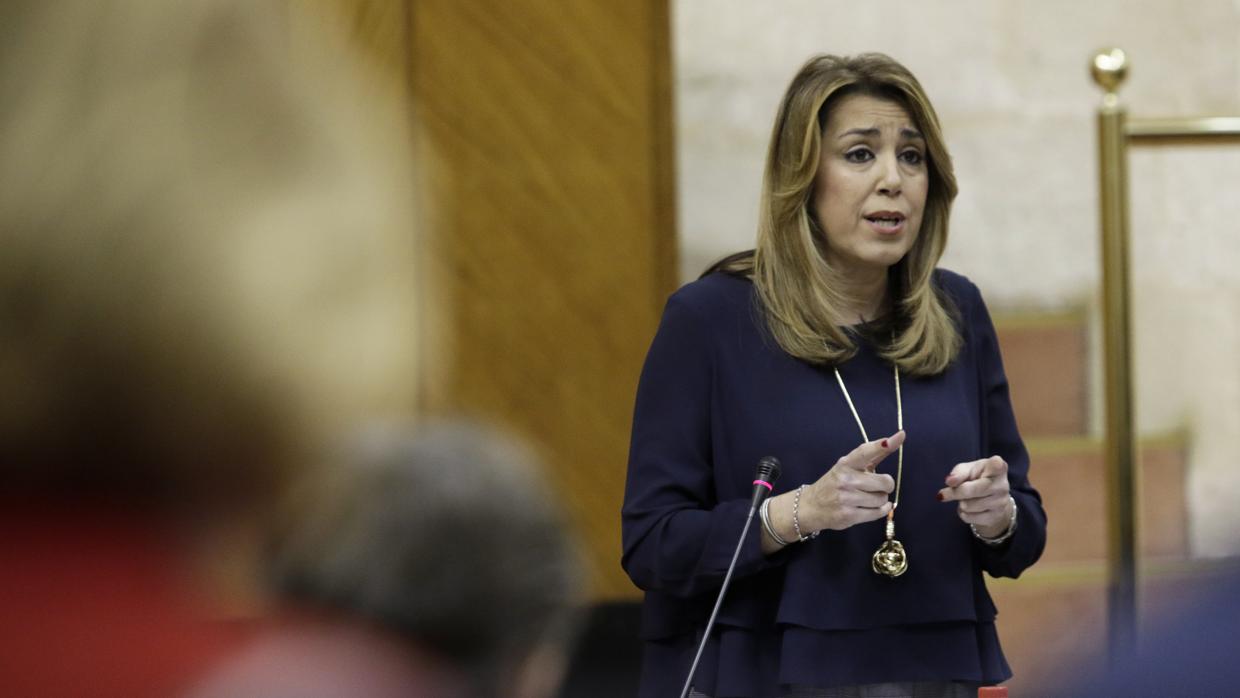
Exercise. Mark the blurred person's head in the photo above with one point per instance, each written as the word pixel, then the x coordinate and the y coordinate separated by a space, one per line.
pixel 448 537
pixel 207 258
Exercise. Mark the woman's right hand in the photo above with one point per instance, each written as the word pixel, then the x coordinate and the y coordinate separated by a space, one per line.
pixel 848 494
pixel 851 492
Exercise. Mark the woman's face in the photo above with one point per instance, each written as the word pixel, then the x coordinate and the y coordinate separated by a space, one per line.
pixel 870 191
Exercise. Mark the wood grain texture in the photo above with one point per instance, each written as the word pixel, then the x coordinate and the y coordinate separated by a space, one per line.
pixel 542 136
pixel 376 30
pixel 545 149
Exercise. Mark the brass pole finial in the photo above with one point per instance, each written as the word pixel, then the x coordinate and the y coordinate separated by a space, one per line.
pixel 1110 68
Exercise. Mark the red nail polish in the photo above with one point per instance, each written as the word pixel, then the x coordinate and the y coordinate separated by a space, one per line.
pixel 938 496
pixel 884 443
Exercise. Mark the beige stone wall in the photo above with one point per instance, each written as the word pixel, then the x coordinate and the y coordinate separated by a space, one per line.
pixel 1011 84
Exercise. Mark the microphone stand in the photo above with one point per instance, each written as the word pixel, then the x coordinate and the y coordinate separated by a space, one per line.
pixel 718 602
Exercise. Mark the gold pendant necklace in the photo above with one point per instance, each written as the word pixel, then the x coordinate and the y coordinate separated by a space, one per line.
pixel 889 559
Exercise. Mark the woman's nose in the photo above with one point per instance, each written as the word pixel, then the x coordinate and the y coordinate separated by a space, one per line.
pixel 890 180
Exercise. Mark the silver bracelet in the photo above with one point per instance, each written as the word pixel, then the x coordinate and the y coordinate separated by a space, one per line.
pixel 764 513
pixel 796 521
pixel 1011 528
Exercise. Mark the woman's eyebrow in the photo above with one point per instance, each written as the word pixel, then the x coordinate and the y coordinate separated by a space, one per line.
pixel 908 133
pixel 867 132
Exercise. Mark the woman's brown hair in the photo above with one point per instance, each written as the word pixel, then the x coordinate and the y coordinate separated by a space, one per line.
pixel 798 288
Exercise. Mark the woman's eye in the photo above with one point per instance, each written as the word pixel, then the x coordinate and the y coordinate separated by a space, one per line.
pixel 859 155
pixel 912 157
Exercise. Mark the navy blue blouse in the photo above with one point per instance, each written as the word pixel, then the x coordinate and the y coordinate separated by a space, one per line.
pixel 716 395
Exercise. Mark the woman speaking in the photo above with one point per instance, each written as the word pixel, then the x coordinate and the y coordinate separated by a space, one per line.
pixel 837 347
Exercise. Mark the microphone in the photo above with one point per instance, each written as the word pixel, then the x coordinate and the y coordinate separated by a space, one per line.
pixel 764 481
pixel 763 485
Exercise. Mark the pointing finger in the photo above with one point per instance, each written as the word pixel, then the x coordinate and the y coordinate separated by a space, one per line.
pixel 868 455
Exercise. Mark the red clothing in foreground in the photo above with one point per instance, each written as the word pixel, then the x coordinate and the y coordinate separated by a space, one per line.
pixel 95 602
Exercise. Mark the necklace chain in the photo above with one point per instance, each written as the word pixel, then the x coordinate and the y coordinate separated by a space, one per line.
pixel 899 425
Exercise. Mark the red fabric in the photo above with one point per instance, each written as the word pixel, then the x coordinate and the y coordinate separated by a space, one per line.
pixel 94 602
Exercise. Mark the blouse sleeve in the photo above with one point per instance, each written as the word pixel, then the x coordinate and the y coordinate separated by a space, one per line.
pixel 677 538
pixel 1002 438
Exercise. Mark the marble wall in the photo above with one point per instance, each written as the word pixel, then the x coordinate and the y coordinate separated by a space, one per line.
pixel 1011 83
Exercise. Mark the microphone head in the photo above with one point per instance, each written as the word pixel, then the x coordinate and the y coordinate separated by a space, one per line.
pixel 769 469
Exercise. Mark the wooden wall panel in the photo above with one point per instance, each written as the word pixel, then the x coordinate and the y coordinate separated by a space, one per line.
pixel 543 140
pixel 377 29
pixel 546 153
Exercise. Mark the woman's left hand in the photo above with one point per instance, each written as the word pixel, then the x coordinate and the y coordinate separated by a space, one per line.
pixel 982 490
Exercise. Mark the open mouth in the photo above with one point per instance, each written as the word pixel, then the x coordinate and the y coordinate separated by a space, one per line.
pixel 886 220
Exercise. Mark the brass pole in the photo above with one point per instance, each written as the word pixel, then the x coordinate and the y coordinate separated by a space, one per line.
pixel 1109 70
pixel 1190 129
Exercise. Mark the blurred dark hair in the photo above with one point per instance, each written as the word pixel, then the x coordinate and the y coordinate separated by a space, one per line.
pixel 446 536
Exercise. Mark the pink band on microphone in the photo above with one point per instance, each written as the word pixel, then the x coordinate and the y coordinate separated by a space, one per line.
pixel 765 484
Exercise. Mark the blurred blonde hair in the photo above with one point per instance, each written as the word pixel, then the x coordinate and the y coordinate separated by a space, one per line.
pixel 208 265
pixel 799 289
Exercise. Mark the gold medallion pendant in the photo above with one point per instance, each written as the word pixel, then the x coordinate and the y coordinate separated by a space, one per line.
pixel 890 559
